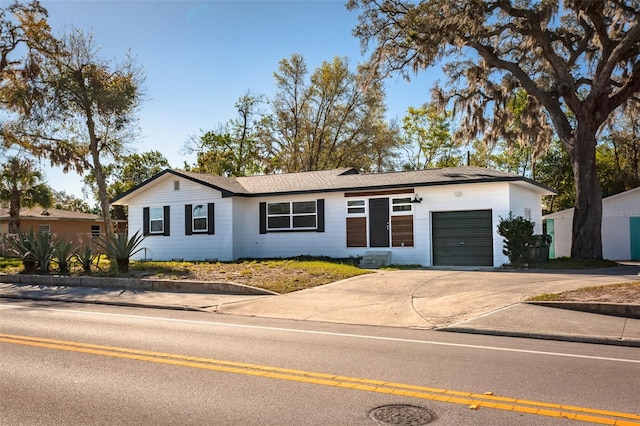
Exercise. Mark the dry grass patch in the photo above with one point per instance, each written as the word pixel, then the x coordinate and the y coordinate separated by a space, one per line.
pixel 281 276
pixel 613 293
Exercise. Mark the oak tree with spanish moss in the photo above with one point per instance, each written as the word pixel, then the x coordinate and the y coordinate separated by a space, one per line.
pixel 577 60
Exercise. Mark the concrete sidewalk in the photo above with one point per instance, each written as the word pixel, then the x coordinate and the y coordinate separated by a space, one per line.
pixel 487 302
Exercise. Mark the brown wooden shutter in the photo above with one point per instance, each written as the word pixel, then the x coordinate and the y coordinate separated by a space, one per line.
pixel 402 231
pixel 356 232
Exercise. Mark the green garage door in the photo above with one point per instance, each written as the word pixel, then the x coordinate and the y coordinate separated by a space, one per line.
pixel 462 238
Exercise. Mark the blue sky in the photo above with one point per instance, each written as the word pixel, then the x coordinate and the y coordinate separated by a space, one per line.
pixel 199 57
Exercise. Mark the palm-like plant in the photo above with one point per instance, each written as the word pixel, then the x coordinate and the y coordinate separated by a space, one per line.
pixel 62 255
pixel 120 247
pixel 43 251
pixel 22 245
pixel 21 183
pixel 86 257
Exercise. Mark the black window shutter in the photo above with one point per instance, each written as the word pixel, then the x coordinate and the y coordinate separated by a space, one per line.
pixel 263 218
pixel 211 219
pixel 320 213
pixel 145 221
pixel 166 217
pixel 188 222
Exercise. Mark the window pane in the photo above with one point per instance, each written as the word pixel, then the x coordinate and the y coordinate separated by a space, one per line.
pixel 278 222
pixel 352 210
pixel 200 210
pixel 155 213
pixel 200 224
pixel 279 208
pixel 401 200
pixel 405 208
pixel 156 226
pixel 355 203
pixel 304 221
pixel 304 207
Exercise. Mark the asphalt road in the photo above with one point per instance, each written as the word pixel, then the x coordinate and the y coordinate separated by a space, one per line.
pixel 63 363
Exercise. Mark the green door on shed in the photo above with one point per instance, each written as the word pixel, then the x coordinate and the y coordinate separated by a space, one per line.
pixel 462 238
pixel 634 227
pixel 551 230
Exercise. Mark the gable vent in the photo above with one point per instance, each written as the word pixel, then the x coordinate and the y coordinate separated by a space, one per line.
pixel 176 185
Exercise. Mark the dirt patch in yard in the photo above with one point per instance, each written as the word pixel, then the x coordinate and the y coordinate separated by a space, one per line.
pixel 613 293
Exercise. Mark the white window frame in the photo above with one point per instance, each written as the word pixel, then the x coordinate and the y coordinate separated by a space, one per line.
pixel 205 216
pixel 356 204
pixel 291 215
pixel 95 230
pixel 398 202
pixel 527 214
pixel 152 220
pixel 44 228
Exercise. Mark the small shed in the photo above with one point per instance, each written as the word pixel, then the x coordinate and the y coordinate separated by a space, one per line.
pixel 620 228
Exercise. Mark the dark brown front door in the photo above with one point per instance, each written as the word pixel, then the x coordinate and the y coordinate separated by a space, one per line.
pixel 379 222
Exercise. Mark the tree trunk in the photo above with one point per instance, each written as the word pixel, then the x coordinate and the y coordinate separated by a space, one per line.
pixel 586 241
pixel 14 213
pixel 99 172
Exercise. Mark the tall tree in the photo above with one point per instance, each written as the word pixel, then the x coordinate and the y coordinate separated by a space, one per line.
pixel 125 174
pixel 83 111
pixel 429 143
pixel 232 149
pixel 326 120
pixel 64 201
pixel 25 39
pixel 21 184
pixel 578 62
pixel 620 149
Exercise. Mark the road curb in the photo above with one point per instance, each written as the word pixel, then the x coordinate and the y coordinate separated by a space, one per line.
pixel 635 343
pixel 624 310
pixel 199 287
pixel 106 302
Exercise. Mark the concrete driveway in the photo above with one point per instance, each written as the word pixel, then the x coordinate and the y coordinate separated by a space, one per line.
pixel 422 298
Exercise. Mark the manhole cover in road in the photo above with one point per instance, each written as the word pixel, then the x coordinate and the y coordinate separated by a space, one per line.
pixel 406 415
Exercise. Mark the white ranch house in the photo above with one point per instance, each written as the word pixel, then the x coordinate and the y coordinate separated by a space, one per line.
pixel 443 217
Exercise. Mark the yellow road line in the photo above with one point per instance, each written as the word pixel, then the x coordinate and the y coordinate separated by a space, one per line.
pixel 421 392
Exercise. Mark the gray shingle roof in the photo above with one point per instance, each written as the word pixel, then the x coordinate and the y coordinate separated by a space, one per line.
pixel 346 179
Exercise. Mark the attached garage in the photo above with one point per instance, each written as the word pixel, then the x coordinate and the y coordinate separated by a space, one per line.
pixel 462 238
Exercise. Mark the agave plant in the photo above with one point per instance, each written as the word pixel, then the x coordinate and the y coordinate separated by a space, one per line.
pixel 43 251
pixel 86 257
pixel 62 255
pixel 120 247
pixel 23 246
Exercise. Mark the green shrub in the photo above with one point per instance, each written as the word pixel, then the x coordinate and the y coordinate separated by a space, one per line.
pixel 517 233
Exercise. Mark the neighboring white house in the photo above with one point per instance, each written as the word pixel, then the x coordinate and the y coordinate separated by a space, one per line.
pixel 443 217
pixel 620 228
